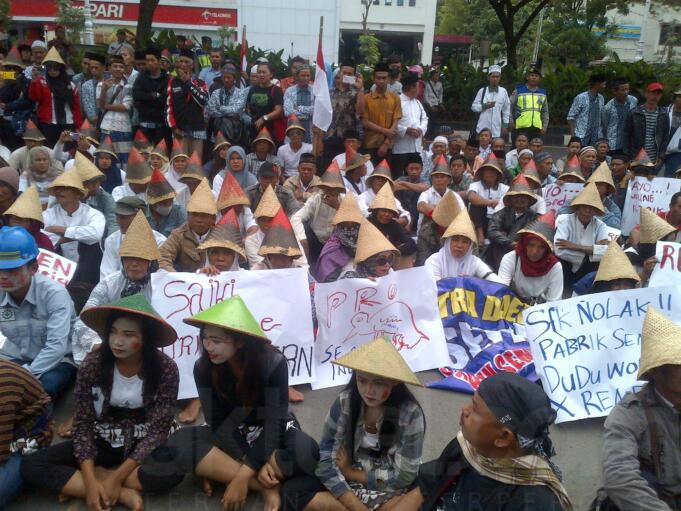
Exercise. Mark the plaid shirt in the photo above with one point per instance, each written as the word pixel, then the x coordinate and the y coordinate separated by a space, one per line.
pixel 587 121
pixel 394 469
pixel 614 121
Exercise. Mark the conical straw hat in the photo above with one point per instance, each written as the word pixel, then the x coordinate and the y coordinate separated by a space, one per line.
pixel 161 150
pixel 159 189
pixel 69 179
pixel 231 193
pixel 353 159
pixel 226 234
pixel 382 170
pixel 568 171
pixel 139 241
pixel 660 343
pixel 441 166
pixel 279 239
pixel 348 211
pixel 385 199
pixel 27 205
pixel 53 56
pixel 177 150
pixel 194 169
pixel 32 132
pixel 653 228
pixel 615 265
pixel 543 226
pixel 573 164
pixel 269 204
pixel 370 242
pixel 446 210
pixel 294 123
pixel 14 59
pixel 86 169
pixel 461 226
pixel 106 146
pixel 520 186
pixel 589 196
pixel 141 142
pixel 490 163
pixel 642 160
pixel 232 315
pixel 220 141
pixel 88 131
pixel 602 174
pixel 331 178
pixel 531 173
pixel 263 134
pixel 379 358
pixel 138 171
pixel 202 200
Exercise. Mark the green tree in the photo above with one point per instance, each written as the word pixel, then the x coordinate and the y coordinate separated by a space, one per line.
pixel 5 18
pixel 144 22
pixel 71 18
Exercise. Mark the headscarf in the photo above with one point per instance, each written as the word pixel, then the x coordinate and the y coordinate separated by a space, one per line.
pixel 367 268
pixel 338 251
pixel 131 287
pixel 451 266
pixel 62 92
pixel 532 268
pixel 243 176
pixel 52 172
pixel 113 174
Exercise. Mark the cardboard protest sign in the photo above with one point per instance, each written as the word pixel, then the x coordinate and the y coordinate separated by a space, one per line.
pixel 401 307
pixel 279 299
pixel 56 267
pixel 485 334
pixel 586 350
pixel 667 271
pixel 642 193
pixel 556 196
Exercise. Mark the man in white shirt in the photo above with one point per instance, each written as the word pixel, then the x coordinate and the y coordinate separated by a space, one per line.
pixel 493 105
pixel 351 141
pixel 374 183
pixel 411 127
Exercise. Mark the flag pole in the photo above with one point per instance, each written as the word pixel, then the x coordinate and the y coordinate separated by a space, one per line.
pixel 244 71
pixel 318 135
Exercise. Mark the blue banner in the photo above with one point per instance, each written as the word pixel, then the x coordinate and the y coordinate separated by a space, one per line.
pixel 485 333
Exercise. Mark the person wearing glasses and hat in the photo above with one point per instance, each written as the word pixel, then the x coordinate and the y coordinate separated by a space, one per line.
pixel 124 412
pixel 530 105
pixel 375 256
pixel 648 126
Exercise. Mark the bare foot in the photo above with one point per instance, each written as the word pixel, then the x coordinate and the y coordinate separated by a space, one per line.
pixel 272 499
pixel 191 412
pixel 62 499
pixel 295 396
pixel 131 499
pixel 65 430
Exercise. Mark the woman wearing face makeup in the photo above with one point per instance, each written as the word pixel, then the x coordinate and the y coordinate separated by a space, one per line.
pixel 372 441
pixel 375 255
pixel 125 405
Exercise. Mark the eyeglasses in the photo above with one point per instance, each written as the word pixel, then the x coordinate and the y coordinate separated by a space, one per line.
pixel 383 260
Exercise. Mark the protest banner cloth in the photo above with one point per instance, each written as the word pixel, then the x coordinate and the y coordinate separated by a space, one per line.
pixel 56 267
pixel 667 271
pixel 642 193
pixel 556 196
pixel 485 334
pixel 614 234
pixel 402 307
pixel 279 300
pixel 586 350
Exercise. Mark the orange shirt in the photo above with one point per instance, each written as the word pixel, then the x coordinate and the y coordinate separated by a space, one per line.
pixel 382 109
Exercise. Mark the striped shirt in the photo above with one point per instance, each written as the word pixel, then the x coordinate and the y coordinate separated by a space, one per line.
pixel 651 127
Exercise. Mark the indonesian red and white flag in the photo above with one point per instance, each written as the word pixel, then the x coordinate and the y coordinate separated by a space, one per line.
pixel 322 114
pixel 244 59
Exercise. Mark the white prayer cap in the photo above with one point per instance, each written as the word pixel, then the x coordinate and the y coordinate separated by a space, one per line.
pixel 39 44
pixel 494 69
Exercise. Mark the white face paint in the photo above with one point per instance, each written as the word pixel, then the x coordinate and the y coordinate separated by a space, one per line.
pixel 219 345
pixel 125 337
pixel 374 390
pixel 15 279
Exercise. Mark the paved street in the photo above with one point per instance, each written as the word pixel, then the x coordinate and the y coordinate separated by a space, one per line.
pixel 577 443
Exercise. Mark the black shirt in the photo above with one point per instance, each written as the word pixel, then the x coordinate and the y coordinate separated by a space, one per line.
pixel 262 100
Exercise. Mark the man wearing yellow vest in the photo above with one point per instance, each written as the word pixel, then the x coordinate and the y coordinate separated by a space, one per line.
pixel 530 106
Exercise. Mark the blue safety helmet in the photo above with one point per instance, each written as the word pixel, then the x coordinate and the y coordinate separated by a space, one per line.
pixel 17 247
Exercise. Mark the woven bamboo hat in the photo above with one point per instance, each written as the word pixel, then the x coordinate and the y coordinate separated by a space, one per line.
pixel 370 242
pixel 615 265
pixel 589 196
pixel 294 123
pixel 642 160
pixel 381 170
pixel 660 343
pixel 441 167
pixel 88 131
pixel 379 358
pixel 385 199
pixel 446 210
pixel 135 305
pixel 331 178
pixel 280 239
pixel 106 146
pixel 573 164
pixel 177 150
pixel 68 179
pixel 461 226
pixel 348 211
pixel 263 134
pixel 490 163
pixel 141 142
pixel 138 171
pixel 226 234
pixel 53 56
pixel 232 315
pixel 653 228
pixel 531 173
pixel 543 226
pixel 353 159
pixel 32 132
pixel 86 169
pixel 202 200
pixel 268 205
pixel 231 193
pixel 139 241
pixel 567 171
pixel 220 141
pixel 520 186
pixel 194 169
pixel 161 150
pixel 602 174
pixel 159 189
pixel 14 59
pixel 27 205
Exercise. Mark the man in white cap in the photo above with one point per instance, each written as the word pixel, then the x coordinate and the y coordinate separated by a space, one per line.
pixel 38 52
pixel 493 105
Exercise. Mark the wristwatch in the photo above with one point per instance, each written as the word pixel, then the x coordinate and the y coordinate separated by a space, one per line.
pixel 267 119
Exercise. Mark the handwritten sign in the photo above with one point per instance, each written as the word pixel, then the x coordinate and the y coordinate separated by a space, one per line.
pixel 56 267
pixel 614 234
pixel 485 333
pixel 667 271
pixel 586 350
pixel 352 312
pixel 279 299
pixel 556 196
pixel 642 193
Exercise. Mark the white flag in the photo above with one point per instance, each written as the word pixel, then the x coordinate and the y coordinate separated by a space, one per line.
pixel 322 101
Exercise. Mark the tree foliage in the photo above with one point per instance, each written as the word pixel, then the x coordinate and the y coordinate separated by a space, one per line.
pixel 144 22
pixel 5 18
pixel 71 18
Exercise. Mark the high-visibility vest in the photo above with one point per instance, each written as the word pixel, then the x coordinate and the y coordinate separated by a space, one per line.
pixel 204 59
pixel 529 105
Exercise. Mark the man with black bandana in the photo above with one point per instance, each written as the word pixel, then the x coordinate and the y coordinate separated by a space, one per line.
pixel 500 460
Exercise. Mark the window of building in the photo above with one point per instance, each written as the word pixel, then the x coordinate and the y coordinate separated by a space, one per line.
pixel 388 2
pixel 400 3
pixel 412 3
pixel 670 34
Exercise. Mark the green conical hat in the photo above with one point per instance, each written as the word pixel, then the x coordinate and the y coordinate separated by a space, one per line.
pixel 137 305
pixel 232 315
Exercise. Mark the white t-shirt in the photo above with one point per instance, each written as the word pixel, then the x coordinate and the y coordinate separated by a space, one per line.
pixel 290 159
pixel 489 193
pixel 126 392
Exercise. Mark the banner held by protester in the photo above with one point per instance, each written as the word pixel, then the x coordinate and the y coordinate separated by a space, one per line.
pixel 56 267
pixel 667 271
pixel 556 196
pixel 644 193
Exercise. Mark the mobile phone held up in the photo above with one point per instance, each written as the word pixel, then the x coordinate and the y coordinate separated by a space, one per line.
pixel 350 80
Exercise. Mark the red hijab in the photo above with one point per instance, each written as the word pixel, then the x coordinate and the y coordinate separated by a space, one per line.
pixel 532 268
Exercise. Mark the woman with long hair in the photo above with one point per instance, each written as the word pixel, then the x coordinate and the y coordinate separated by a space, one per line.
pixel 124 410
pixel 42 170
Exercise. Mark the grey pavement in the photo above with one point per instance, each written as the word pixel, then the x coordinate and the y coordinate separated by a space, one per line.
pixel 577 444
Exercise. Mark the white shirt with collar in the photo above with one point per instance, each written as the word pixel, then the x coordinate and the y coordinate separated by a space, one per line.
pixel 124 190
pixel 111 261
pixel 570 228
pixel 365 199
pixel 413 116
pixel 432 196
pixel 85 225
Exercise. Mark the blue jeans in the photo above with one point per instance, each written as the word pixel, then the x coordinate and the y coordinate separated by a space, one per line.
pixel 57 379
pixel 10 479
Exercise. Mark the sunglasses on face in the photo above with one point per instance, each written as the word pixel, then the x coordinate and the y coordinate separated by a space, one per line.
pixel 383 260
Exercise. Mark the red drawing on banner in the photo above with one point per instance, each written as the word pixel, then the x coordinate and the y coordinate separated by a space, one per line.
pixel 387 322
